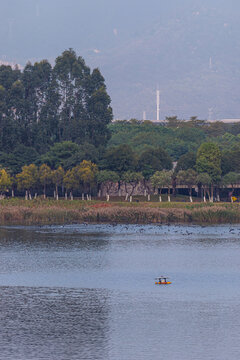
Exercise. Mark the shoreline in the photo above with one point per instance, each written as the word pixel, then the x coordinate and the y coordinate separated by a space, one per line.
pixel 51 212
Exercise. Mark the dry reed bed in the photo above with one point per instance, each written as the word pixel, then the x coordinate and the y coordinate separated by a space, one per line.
pixel 43 213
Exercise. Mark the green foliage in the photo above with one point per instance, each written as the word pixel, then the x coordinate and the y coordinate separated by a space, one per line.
pixel 231 159
pixel 187 177
pixel 87 172
pixel 85 152
pixel 209 161
pixel 161 179
pixel 175 140
pixel 84 174
pixel 190 134
pixel 45 176
pixel 22 155
pixel 28 178
pixel 104 176
pixel 231 178
pixel 132 177
pixel 204 179
pixel 42 104
pixel 186 161
pixel 120 159
pixel 215 129
pixel 5 181
pixel 173 122
pixel 139 135
pixel 152 160
pixel 57 176
pixel 71 180
pixel 108 178
pixel 60 154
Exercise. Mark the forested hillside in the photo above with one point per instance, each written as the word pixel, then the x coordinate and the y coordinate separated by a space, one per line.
pixel 179 138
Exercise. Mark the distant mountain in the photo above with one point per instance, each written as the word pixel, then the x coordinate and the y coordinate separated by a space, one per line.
pixel 194 58
pixel 189 49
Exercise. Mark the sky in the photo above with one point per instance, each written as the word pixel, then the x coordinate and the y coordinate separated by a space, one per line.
pixel 188 49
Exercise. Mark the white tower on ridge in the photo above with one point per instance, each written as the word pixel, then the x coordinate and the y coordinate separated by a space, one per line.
pixel 158 104
pixel 210 114
pixel 210 63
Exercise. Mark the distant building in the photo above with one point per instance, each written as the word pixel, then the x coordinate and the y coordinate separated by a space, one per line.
pixel 230 121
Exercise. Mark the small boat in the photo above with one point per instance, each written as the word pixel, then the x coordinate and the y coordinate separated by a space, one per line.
pixel 162 280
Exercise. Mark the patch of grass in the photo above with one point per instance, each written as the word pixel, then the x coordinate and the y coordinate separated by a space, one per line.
pixel 49 211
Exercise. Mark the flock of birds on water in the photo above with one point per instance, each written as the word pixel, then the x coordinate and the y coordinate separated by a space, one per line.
pixel 160 229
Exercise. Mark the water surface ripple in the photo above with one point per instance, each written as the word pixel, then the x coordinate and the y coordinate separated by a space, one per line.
pixel 87 292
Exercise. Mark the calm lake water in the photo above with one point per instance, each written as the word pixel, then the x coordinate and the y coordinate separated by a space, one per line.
pixel 87 292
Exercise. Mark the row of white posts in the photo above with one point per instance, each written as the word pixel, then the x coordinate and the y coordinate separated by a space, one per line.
pixel 28 196
pixel 130 197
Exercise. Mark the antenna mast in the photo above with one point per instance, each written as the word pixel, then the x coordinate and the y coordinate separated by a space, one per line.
pixel 158 104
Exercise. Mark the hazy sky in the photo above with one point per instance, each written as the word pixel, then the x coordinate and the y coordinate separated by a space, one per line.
pixel 44 28
pixel 138 46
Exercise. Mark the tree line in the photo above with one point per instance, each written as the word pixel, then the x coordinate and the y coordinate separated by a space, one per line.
pixel 58 117
pixel 120 165
pixel 45 104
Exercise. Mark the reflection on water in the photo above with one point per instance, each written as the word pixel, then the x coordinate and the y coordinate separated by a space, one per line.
pixel 45 323
pixel 87 292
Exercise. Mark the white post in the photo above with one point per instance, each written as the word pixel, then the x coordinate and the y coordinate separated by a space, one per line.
pixel 12 193
pixel 82 196
pixel 145 192
pixel 57 197
pixel 26 195
pixel 99 193
pixel 130 199
pixel 149 197
pixel 108 197
pixel 35 195
pixel 30 196
pixel 218 197
pixel 191 200
pixel 160 198
pixel 71 196
pixel 204 199
pixel 169 199
pixel 126 197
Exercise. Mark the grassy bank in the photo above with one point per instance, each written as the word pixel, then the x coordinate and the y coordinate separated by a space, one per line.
pixel 18 211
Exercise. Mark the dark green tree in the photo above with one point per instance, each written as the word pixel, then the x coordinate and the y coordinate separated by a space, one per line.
pixel 120 159
pixel 186 161
pixel 59 154
pixel 152 160
pixel 209 161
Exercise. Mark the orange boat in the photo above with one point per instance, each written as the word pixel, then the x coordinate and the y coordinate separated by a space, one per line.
pixel 162 280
